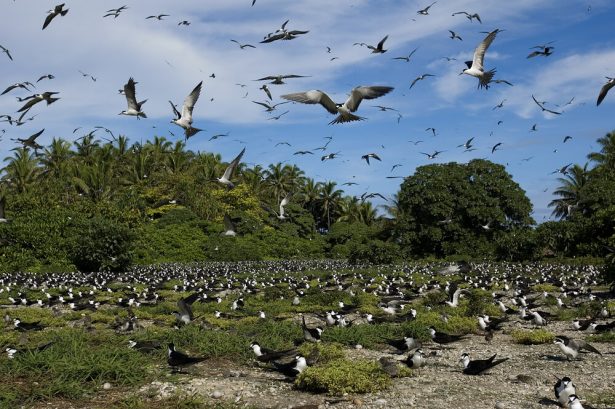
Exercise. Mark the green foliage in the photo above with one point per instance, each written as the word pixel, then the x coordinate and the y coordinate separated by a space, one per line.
pixel 374 252
pixel 103 245
pixel 532 337
pixel 443 207
pixel 344 376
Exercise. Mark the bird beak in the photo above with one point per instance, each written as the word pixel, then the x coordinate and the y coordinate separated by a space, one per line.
pixel 461 73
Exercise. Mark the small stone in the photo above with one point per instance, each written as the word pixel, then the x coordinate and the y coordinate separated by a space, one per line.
pixel 499 405
pixel 357 402
pixel 217 394
pixel 380 402
pixel 358 346
pixel 106 386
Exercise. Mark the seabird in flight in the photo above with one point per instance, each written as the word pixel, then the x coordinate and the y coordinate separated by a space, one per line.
pixel 228 173
pixel 475 67
pixel 184 119
pixel 610 83
pixel 58 10
pixel 344 110
pixel 134 107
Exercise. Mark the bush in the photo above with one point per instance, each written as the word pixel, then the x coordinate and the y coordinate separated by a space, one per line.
pixel 375 252
pixel 342 376
pixel 103 245
pixel 532 337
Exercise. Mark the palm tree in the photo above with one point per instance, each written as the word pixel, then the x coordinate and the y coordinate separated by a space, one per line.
pixel 329 200
pixel 569 192
pixel 393 209
pixel 606 156
pixel 22 170
pixel 308 196
pixel 55 159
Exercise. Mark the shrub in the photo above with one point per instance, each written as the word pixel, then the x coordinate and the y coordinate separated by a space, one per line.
pixel 342 376
pixel 532 337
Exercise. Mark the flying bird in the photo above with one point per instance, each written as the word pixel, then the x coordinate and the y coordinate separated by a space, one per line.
pixel 378 49
pixel 475 67
pixel 7 52
pixel 43 77
pixel 275 118
pixel 225 179
pixel 433 131
pixel 35 99
pixel 420 78
pixel 134 107
pixel 544 50
pixel 158 17
pixel 30 142
pixel 454 35
pixel 57 10
pixel 469 16
pixel 567 138
pixel 370 155
pixel 184 118
pixel 22 85
pixel 283 34
pixel 541 105
pixel 242 46
pixel 278 79
pixel 329 156
pixel 344 110
pixel 425 11
pixel 467 144
pixel 610 83
pixel 268 107
pixel 432 155
pixel 406 58
pixel 115 12
pixel 266 91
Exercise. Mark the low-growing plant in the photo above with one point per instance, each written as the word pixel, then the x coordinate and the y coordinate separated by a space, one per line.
pixel 532 337
pixel 342 376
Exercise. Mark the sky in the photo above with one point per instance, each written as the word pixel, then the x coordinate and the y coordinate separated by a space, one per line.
pixel 167 60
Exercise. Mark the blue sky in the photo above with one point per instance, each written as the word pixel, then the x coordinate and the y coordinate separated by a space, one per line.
pixel 168 60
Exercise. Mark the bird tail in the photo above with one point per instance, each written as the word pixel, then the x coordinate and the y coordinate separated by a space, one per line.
pixel 346 117
pixel 591 348
pixel 190 131
pixel 486 79
pixel 498 361
pixel 51 100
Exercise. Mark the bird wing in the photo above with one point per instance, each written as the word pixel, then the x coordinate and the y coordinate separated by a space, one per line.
pixel 376 157
pixel 263 104
pixel 28 105
pixel 190 101
pixel 32 138
pixel 268 77
pixel 231 167
pixel 175 111
pixel 604 90
pixel 313 97
pixel 273 38
pixel 360 93
pixel 130 93
pixel 381 43
pixel 48 19
pixel 481 49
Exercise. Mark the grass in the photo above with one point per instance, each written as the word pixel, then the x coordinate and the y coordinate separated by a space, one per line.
pixel 532 337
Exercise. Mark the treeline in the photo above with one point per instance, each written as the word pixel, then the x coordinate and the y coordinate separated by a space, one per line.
pixel 90 205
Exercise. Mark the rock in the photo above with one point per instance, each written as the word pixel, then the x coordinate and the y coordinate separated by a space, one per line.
pixel 106 386
pixel 499 405
pixel 217 394
pixel 380 402
pixel 358 346
pixel 357 402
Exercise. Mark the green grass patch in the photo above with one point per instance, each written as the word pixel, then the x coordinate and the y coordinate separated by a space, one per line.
pixel 342 376
pixel 604 337
pixel 532 337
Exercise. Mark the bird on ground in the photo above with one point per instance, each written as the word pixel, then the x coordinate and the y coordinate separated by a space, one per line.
pixel 469 16
pixel 279 79
pixel 293 368
pixel 185 315
pixel 416 360
pixel 406 58
pixel 225 179
pixel 57 10
pixel 370 155
pixel 563 389
pixel 454 35
pixel 597 328
pixel 242 46
pixel 541 105
pixel 11 351
pixel 610 83
pixel 475 67
pixel 177 360
pixel 7 52
pixel 425 11
pixel 431 155
pixel 544 50
pixel 344 111
pixel 27 326
pixel 420 78
pixel 184 118
pixel 404 344
pixel 268 355
pixel 158 17
pixel 453 294
pixel 389 366
pixel 574 402
pixel 443 338
pixel 134 107
pixel 571 347
pixel 310 334
pixel 146 347
pixel 479 366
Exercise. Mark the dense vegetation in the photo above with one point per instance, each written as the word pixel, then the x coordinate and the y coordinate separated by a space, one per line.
pixel 104 206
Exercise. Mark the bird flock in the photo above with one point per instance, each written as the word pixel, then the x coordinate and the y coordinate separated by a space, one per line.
pixel 404 296
pixel 478 67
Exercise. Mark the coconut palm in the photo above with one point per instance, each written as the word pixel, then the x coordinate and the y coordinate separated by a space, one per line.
pixel 22 170
pixel 329 199
pixel 606 155
pixel 569 192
